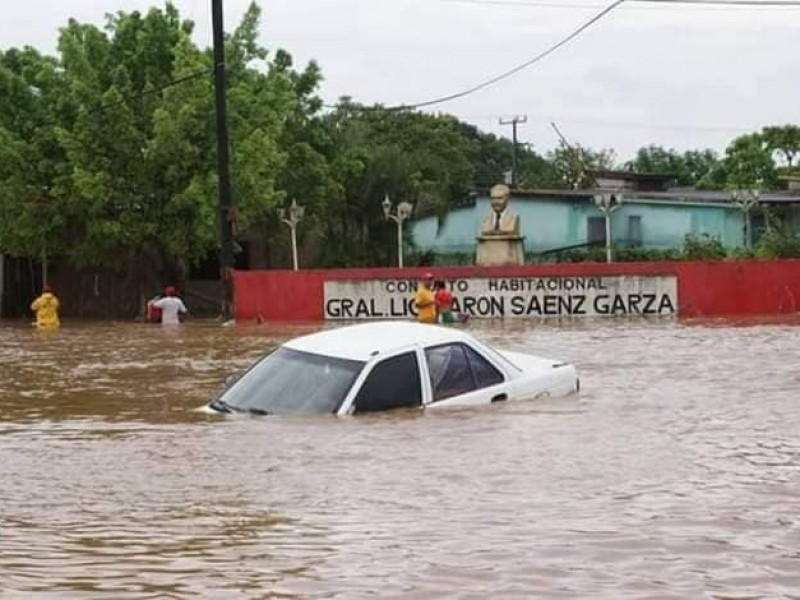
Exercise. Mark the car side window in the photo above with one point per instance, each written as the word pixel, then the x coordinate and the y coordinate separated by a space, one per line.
pixel 449 370
pixel 486 374
pixel 457 369
pixel 392 383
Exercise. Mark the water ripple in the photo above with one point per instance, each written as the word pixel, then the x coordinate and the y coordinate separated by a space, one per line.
pixel 674 474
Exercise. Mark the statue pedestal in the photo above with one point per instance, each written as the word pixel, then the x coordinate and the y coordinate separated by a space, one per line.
pixel 500 250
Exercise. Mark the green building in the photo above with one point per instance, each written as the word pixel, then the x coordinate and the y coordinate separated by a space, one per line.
pixel 652 214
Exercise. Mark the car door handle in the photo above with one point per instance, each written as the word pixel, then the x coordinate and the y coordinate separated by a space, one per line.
pixel 500 398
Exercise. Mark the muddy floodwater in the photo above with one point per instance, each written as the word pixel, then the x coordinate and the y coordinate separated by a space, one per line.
pixel 675 473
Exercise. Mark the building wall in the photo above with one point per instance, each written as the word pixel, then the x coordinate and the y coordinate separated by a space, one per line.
pixel 549 223
pixel 454 234
pixel 666 225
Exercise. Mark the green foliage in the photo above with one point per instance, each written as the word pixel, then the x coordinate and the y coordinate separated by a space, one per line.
pixel 748 163
pixel 32 94
pixel 572 164
pixel 597 253
pixel 778 241
pixel 641 254
pixel 432 161
pixel 741 253
pixel 702 247
pixel 693 168
pixel 443 259
pixel 783 141
pixel 108 160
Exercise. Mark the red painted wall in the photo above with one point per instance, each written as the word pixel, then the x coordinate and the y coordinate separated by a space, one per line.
pixel 705 289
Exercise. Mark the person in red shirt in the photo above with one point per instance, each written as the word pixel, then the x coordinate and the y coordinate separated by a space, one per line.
pixel 444 302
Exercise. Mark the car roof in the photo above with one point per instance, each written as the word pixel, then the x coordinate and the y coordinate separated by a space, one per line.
pixel 361 342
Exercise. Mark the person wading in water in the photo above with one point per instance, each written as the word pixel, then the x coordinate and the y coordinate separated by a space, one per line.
pixel 46 309
pixel 171 307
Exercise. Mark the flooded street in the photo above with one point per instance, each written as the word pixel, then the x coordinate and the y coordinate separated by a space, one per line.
pixel 675 473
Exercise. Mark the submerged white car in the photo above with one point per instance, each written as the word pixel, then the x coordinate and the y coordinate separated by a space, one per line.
pixel 386 365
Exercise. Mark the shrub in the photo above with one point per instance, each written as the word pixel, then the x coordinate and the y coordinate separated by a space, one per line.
pixel 702 247
pixel 778 241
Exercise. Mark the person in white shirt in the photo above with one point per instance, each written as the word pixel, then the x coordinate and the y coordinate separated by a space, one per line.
pixel 171 307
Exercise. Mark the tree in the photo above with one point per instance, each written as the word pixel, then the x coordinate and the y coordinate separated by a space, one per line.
pixel 573 164
pixel 784 141
pixel 494 160
pixel 691 168
pixel 141 187
pixel 372 152
pixel 748 163
pixel 32 101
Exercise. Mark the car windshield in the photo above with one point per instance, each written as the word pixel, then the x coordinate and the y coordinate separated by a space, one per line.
pixel 292 381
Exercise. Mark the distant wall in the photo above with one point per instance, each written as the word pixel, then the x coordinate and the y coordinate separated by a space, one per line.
pixel 705 289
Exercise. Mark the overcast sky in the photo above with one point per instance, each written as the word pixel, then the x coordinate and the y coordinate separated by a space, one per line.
pixel 680 76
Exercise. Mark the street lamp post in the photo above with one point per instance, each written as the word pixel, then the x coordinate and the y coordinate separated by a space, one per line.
pixel 746 200
pixel 403 211
pixel 608 202
pixel 292 217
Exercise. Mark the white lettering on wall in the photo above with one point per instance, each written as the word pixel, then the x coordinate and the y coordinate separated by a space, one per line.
pixel 508 297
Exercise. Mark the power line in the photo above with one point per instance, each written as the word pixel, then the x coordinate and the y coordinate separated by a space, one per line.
pixel 525 3
pixel 612 123
pixel 161 88
pixel 506 74
pixel 524 65
pixel 668 127
pixel 666 3
pixel 765 3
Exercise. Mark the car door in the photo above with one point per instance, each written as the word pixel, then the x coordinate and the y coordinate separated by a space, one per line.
pixel 460 375
pixel 392 382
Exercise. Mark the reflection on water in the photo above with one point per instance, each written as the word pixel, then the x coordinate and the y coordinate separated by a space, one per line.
pixel 674 474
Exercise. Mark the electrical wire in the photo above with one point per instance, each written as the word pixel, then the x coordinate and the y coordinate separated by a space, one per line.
pixel 609 123
pixel 161 88
pixel 765 3
pixel 533 3
pixel 506 74
pixel 666 3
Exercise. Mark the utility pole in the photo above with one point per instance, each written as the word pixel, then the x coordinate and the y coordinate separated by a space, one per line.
pixel 226 208
pixel 575 158
pixel 514 122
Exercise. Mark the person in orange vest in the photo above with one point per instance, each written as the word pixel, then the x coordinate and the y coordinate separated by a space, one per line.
pixel 46 309
pixel 425 301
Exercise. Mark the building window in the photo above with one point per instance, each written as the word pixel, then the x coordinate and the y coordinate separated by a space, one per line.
pixel 635 230
pixel 758 225
pixel 596 230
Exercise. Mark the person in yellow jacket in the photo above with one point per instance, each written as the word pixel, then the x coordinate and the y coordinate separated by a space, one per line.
pixel 46 309
pixel 425 301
